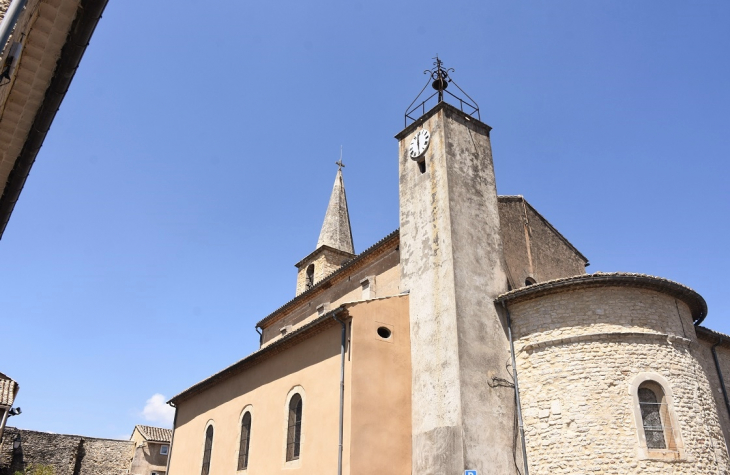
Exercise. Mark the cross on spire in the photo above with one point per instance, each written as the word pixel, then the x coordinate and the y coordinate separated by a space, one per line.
pixel 339 163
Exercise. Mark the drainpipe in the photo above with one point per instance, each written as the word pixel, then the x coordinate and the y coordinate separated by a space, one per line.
pixel 3 420
pixel 719 374
pixel 261 336
pixel 517 390
pixel 343 343
pixel 10 19
pixel 172 439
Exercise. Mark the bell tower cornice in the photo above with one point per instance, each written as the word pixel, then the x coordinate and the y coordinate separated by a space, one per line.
pixel 435 110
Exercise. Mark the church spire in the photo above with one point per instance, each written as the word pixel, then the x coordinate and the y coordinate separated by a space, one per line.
pixel 336 231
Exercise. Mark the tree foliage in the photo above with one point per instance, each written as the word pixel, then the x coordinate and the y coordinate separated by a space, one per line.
pixel 37 470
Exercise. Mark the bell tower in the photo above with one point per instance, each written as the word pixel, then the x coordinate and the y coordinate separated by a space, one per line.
pixel 453 267
pixel 334 246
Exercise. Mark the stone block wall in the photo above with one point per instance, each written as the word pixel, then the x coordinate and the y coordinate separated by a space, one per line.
pixel 68 454
pixel 578 353
pixel 706 341
pixel 326 261
pixel 4 4
pixel 532 247
pixel 600 310
pixel 106 457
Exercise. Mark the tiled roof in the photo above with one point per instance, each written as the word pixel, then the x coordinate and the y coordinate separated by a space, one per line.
pixel 714 335
pixel 278 345
pixel 317 325
pixel 8 390
pixel 696 303
pixel 155 434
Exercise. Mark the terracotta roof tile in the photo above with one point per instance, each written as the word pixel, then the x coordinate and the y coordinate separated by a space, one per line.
pixel 8 390
pixel 155 434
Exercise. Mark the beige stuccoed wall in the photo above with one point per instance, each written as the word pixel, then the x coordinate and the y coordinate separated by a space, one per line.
pixel 314 364
pixel 380 437
pixel 578 353
pixel 377 390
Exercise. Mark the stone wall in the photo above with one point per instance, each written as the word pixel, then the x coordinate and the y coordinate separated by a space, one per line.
pixel 707 339
pixel 532 247
pixel 106 457
pixel 4 4
pixel 579 352
pixel 68 454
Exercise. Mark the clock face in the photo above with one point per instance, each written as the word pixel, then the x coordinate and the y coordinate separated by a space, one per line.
pixel 419 144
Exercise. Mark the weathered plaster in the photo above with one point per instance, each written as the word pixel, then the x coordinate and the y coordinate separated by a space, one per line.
pixel 452 264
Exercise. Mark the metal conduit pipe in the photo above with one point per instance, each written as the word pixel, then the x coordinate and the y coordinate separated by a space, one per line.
pixel 343 343
pixel 719 374
pixel 517 389
pixel 10 19
pixel 172 439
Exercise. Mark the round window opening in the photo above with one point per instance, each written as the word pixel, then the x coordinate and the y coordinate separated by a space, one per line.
pixel 384 332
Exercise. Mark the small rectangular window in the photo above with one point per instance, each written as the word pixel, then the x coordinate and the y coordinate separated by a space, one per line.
pixel 164 449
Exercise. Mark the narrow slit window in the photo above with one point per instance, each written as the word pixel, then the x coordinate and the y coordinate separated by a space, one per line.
pixel 245 441
pixel 207 451
pixel 422 166
pixel 310 276
pixel 294 430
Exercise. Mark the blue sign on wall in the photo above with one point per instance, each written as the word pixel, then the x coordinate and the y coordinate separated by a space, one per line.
pixel 470 472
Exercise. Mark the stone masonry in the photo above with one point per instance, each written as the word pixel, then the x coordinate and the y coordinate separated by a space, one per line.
pixel 578 352
pixel 67 454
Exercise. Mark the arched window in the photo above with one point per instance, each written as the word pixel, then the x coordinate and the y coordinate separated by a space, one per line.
pixel 310 276
pixel 207 451
pixel 245 441
pixel 530 281
pixel 294 428
pixel 655 417
pixel 657 427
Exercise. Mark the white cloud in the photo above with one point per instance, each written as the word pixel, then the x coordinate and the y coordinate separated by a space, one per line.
pixel 157 411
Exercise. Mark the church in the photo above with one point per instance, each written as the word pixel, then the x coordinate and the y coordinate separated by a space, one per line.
pixel 470 340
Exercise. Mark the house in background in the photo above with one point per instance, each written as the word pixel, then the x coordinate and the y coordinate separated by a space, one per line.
pixel 8 391
pixel 151 447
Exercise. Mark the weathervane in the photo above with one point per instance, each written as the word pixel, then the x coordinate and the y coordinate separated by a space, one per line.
pixel 441 79
pixel 339 163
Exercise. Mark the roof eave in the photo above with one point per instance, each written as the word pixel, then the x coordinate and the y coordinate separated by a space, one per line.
pixel 292 338
pixel 694 300
pixel 82 28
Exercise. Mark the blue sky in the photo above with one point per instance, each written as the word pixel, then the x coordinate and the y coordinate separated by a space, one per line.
pixel 191 162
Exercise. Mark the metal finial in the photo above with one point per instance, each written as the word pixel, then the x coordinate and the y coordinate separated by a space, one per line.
pixel 339 163
pixel 440 76
pixel 441 79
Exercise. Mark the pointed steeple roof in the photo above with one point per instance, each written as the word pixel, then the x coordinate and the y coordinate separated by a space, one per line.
pixel 336 231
